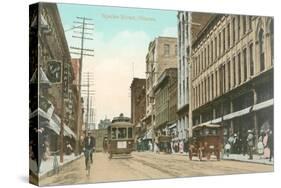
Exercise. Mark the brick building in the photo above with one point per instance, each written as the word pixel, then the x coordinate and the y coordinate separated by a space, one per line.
pixel 138 102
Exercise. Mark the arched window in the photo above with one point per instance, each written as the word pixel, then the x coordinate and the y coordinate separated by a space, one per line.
pixel 271 30
pixel 261 49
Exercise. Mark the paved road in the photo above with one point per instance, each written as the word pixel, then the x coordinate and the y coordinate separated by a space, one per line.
pixel 147 165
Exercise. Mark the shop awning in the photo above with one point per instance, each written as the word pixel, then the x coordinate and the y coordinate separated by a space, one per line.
pixel 173 125
pixel 67 131
pixel 237 114
pixel 54 125
pixel 263 105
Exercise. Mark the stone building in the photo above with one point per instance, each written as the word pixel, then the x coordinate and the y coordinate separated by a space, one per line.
pixel 137 104
pixel 103 124
pixel 162 54
pixel 232 74
pixel 53 56
pixel 166 102
pixel 199 21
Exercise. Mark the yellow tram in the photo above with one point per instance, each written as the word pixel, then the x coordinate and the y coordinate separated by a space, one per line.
pixel 120 141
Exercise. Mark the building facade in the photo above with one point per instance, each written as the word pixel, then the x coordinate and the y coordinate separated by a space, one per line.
pixel 166 102
pixel 103 124
pixel 138 98
pixel 54 63
pixel 186 34
pixel 161 55
pixel 232 74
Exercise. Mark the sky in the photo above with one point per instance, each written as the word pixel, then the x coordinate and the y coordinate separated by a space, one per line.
pixel 120 41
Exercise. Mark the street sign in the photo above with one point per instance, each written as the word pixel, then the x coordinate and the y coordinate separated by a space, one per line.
pixel 54 71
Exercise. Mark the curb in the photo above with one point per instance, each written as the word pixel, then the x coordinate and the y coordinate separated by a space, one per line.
pixel 51 171
pixel 247 161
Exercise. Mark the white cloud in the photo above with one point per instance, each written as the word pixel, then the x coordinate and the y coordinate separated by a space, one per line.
pixel 170 32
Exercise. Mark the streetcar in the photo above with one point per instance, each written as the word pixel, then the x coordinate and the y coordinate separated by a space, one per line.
pixel 206 141
pixel 120 138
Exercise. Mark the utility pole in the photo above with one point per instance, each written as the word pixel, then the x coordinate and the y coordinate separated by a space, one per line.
pixel 89 82
pixel 62 111
pixel 82 26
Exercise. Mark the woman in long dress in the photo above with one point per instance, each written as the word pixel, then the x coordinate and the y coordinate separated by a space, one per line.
pixel 266 148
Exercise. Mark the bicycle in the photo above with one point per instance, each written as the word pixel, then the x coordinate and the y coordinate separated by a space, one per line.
pixel 87 155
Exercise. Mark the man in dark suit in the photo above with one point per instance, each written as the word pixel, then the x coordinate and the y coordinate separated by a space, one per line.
pixel 89 145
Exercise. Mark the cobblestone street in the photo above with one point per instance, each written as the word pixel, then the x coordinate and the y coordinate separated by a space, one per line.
pixel 147 165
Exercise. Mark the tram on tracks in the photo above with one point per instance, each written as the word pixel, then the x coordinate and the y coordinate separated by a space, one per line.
pixel 120 137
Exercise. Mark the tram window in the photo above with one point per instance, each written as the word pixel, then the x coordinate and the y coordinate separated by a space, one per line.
pixel 122 133
pixel 113 133
pixel 130 134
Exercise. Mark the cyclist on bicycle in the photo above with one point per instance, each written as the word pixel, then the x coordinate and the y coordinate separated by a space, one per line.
pixel 89 146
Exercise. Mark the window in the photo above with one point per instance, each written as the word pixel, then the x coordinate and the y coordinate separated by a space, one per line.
pixel 244 24
pixel 228 70
pixel 233 31
pixel 216 42
pixel 199 94
pixel 166 49
pixel 201 68
pixel 211 53
pixel 208 55
pixel 245 63
pixel 205 94
pixel 176 49
pixel 271 30
pixel 209 89
pixel 239 68
pixel 205 58
pixel 251 60
pixel 238 23
pixel 212 87
pixel 130 133
pixel 113 133
pixel 223 40
pixel 219 44
pixel 218 83
pixel 228 36
pixel 250 22
pixel 234 71
pixel 261 48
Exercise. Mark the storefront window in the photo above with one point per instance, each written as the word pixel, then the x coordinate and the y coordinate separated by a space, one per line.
pixel 130 133
pixel 122 133
pixel 113 133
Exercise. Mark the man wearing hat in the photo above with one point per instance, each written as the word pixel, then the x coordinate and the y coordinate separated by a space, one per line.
pixel 250 141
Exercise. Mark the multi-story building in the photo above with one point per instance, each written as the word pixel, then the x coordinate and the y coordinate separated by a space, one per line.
pixel 103 124
pixel 137 104
pixel 166 102
pixel 186 33
pixel 232 74
pixel 54 62
pixel 161 55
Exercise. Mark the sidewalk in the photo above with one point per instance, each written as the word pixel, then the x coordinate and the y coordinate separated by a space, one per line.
pixel 47 167
pixel 240 157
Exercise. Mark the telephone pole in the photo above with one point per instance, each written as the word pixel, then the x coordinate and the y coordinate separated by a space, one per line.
pixel 82 33
pixel 89 82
